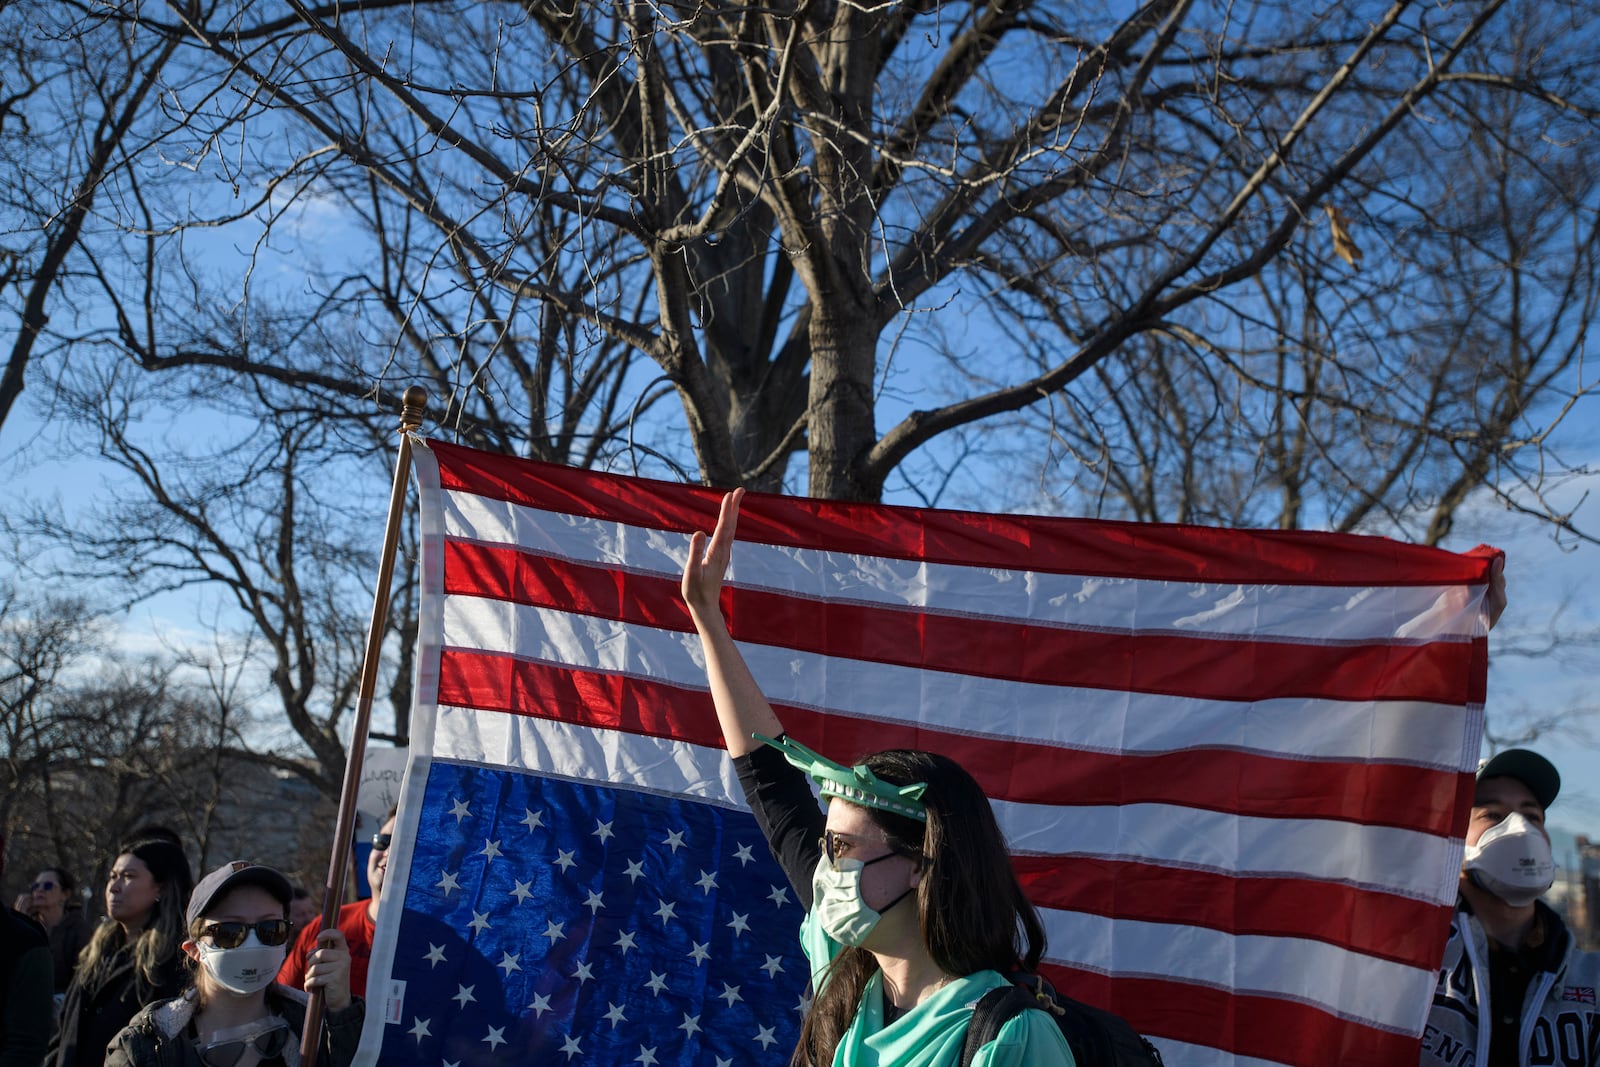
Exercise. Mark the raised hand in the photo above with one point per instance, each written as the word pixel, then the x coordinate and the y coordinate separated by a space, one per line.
pixel 708 560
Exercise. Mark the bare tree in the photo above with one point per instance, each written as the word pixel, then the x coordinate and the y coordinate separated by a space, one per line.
pixel 771 205
pixel 269 520
pixel 98 744
pixel 71 99
pixel 37 643
pixel 1256 264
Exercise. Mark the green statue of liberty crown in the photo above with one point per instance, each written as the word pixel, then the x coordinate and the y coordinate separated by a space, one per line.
pixel 856 784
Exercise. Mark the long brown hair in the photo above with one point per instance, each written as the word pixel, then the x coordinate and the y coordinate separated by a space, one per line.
pixel 970 909
pixel 158 943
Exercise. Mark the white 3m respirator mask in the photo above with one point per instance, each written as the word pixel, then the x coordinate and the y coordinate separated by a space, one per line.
pixel 244 970
pixel 1512 860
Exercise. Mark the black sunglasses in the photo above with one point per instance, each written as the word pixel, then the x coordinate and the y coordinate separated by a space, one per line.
pixel 268 1045
pixel 381 842
pixel 232 935
pixel 46 886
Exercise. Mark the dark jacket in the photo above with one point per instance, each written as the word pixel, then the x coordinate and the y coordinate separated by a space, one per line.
pixel 90 1018
pixel 159 1037
pixel 67 939
pixel 25 1008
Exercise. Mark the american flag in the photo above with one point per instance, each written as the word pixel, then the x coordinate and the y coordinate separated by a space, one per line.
pixel 1233 767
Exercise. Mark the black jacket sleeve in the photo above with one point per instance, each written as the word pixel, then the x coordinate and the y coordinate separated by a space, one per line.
pixel 341 1034
pixel 780 797
pixel 25 1039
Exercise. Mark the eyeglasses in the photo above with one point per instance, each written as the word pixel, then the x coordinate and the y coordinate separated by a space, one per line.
pixel 232 935
pixel 41 887
pixel 269 1044
pixel 381 842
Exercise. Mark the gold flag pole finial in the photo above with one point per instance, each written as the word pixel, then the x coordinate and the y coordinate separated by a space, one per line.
pixel 412 412
pixel 413 409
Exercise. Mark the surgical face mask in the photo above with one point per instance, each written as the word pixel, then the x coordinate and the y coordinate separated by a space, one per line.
pixel 249 968
pixel 836 899
pixel 1512 860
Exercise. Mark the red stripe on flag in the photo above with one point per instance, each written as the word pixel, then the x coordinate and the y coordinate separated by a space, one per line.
pixel 1241 1023
pixel 1068 546
pixel 1206 668
pixel 1410 932
pixel 1239 783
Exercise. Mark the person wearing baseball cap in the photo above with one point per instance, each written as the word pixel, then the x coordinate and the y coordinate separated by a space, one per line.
pixel 1513 989
pixel 234 1014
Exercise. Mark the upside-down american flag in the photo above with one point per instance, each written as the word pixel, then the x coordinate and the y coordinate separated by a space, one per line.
pixel 1233 767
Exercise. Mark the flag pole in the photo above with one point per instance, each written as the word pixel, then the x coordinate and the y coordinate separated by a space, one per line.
pixel 414 404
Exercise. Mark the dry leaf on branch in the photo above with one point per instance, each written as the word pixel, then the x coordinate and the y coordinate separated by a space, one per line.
pixel 1344 246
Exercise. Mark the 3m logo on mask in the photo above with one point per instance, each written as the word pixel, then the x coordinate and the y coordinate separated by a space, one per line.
pixel 1512 860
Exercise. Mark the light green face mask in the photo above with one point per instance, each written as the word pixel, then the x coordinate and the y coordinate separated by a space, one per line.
pixel 837 902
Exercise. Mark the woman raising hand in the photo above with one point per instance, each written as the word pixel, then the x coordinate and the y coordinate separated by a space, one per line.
pixel 913 911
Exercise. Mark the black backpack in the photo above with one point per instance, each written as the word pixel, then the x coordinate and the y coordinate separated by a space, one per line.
pixel 1097 1038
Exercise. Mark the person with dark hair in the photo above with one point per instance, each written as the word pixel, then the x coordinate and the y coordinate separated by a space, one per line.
pixel 133 959
pixel 53 900
pixel 913 909
pixel 357 920
pixel 234 1013
pixel 302 908
pixel 1514 988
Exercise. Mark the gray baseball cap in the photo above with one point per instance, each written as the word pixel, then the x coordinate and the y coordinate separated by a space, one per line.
pixel 1529 768
pixel 237 873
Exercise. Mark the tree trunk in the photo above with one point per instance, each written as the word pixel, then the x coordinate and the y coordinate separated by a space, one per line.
pixel 843 430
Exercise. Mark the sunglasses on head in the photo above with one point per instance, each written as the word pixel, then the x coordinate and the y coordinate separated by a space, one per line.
pixel 268 1045
pixel 231 935
pixel 45 886
pixel 381 842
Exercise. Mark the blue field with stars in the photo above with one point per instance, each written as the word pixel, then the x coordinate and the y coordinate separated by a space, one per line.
pixel 579 924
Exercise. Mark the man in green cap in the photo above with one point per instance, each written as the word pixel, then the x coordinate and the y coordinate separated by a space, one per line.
pixel 1513 990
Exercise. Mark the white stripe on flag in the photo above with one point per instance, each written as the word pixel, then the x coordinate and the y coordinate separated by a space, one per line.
pixel 1317 613
pixel 1371 857
pixel 1313 972
pixel 1094 720
pixel 655 764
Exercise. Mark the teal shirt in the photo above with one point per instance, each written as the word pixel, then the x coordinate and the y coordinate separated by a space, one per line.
pixel 932 1033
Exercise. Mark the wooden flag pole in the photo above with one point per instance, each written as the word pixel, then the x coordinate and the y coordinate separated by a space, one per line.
pixel 414 404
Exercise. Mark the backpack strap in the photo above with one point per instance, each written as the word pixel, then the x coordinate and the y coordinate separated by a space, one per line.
pixel 993 1010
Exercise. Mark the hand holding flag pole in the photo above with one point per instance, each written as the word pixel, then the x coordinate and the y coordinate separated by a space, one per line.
pixel 414 406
